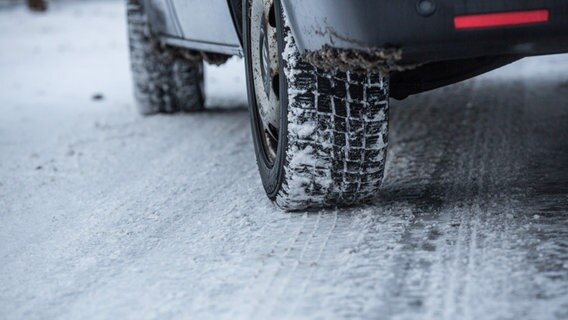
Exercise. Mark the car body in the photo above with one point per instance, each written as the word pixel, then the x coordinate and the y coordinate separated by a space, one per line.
pixel 437 49
pixel 320 73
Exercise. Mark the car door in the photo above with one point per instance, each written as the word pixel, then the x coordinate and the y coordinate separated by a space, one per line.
pixel 208 24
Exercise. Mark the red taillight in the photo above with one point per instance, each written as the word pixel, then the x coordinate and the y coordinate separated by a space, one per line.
pixel 502 19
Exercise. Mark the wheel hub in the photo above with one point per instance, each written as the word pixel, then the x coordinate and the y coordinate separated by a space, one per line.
pixel 265 60
pixel 265 70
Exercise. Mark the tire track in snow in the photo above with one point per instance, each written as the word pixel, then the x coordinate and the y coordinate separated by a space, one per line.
pixel 486 184
pixel 489 174
pixel 404 290
pixel 463 214
pixel 313 264
pixel 436 236
pixel 278 269
pixel 252 249
pixel 291 271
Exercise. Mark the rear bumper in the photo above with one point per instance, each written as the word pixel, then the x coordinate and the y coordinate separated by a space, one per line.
pixel 375 24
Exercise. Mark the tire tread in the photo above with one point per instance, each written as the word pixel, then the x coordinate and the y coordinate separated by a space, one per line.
pixel 337 137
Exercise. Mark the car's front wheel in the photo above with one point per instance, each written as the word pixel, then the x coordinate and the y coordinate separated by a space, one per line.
pixel 166 79
pixel 320 136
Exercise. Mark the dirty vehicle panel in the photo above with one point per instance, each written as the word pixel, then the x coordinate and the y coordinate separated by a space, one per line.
pixel 195 24
pixel 432 30
pixel 320 73
pixel 213 25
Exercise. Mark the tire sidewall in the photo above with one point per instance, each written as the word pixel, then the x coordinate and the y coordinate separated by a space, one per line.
pixel 271 174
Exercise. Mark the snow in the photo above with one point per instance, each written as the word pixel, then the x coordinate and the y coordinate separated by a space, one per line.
pixel 105 214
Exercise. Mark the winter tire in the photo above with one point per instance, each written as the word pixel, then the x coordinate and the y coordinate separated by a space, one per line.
pixel 320 136
pixel 165 80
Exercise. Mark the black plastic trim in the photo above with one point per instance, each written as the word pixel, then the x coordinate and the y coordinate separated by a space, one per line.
pixel 438 74
pixel 236 7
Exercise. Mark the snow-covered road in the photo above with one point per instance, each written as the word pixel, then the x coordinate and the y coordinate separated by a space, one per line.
pixel 105 214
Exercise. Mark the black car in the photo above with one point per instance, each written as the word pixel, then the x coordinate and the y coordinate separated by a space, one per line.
pixel 320 72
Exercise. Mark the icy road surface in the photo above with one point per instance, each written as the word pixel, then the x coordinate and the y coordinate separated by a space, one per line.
pixel 108 215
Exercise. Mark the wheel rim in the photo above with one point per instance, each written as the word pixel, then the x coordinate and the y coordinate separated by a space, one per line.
pixel 265 71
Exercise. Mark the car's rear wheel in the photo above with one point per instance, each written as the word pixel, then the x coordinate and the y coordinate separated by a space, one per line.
pixel 320 136
pixel 165 79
